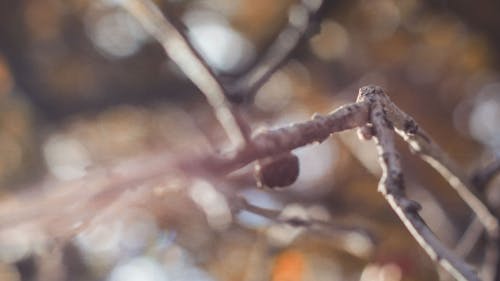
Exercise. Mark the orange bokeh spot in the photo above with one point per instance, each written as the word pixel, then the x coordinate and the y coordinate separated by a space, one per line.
pixel 289 266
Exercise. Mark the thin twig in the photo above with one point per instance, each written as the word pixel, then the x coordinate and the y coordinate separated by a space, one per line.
pixel 391 185
pixel 485 175
pixel 180 50
pixel 300 19
pixel 469 238
pixel 429 151
pixel 467 242
pixel 308 223
pixel 481 179
pixel 489 266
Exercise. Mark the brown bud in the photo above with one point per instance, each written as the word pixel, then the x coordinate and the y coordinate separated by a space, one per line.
pixel 277 171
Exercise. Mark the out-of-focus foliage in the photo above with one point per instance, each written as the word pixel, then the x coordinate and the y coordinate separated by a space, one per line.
pixel 83 87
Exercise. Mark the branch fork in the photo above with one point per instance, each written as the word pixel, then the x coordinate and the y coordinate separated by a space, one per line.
pixel 385 118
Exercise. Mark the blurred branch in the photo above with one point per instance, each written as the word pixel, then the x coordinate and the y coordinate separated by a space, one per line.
pixel 482 177
pixel 301 17
pixel 429 151
pixel 391 185
pixel 308 223
pixel 469 238
pixel 180 50
pixel 124 176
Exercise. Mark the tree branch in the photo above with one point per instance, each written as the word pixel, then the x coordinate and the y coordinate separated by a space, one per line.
pixel 484 176
pixel 180 50
pixel 308 223
pixel 276 141
pixel 279 51
pixel 373 113
pixel 429 151
pixel 391 185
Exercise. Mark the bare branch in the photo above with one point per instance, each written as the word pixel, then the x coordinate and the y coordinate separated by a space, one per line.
pixel 484 176
pixel 377 117
pixel 391 185
pixel 469 238
pixel 480 179
pixel 309 223
pixel 280 50
pixel 273 142
pixel 128 174
pixel 180 50
pixel 429 151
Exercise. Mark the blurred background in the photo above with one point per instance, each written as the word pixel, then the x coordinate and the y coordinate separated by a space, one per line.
pixel 84 88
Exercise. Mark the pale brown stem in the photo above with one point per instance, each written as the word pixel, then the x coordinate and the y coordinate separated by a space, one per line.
pixel 278 53
pixel 308 223
pixel 180 50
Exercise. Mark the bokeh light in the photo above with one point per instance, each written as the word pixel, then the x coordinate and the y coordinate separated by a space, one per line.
pixel 223 47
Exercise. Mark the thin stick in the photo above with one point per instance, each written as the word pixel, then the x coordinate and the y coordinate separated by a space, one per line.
pixel 469 238
pixel 391 185
pixel 429 151
pixel 484 176
pixel 279 51
pixel 180 50
pixel 308 223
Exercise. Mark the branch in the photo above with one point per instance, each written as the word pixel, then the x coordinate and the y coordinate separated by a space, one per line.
pixel 180 50
pixel 391 185
pixel 279 51
pixel 481 179
pixel 308 223
pixel 127 174
pixel 429 151
pixel 372 105
pixel 484 176
pixel 273 142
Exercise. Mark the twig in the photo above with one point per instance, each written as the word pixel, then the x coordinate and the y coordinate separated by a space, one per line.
pixel 469 238
pixel 180 50
pixel 429 151
pixel 484 176
pixel 467 242
pixel 490 261
pixel 308 223
pixel 279 51
pixel 391 185
pixel 480 179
